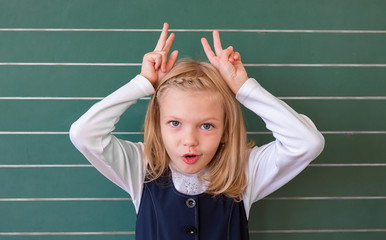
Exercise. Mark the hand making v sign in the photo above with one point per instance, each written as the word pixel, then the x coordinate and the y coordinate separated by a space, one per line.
pixel 227 62
pixel 156 64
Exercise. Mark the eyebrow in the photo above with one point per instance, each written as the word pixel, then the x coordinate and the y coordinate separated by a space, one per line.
pixel 203 120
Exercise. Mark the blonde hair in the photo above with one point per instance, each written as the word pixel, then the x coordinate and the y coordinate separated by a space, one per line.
pixel 226 171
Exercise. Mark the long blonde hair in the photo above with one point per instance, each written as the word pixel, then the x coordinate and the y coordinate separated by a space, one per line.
pixel 226 171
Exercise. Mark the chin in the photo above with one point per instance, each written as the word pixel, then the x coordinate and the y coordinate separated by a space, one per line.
pixel 189 170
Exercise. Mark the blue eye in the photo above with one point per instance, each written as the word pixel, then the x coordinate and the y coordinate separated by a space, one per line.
pixel 207 126
pixel 174 123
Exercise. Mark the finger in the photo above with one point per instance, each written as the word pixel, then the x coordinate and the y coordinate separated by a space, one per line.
pixel 169 43
pixel 227 53
pixel 164 58
pixel 217 42
pixel 157 61
pixel 172 60
pixel 231 57
pixel 207 49
pixel 162 38
pixel 236 56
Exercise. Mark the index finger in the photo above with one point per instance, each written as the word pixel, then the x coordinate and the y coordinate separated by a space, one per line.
pixel 207 49
pixel 162 38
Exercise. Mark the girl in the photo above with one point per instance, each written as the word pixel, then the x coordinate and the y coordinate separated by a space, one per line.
pixel 195 177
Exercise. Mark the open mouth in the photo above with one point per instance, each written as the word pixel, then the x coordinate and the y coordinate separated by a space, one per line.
pixel 190 158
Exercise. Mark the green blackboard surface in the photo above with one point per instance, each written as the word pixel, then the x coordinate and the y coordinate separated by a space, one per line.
pixel 327 59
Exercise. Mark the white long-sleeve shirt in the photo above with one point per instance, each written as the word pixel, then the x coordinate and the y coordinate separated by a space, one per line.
pixel 297 142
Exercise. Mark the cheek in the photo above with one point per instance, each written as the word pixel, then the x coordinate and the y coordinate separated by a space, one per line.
pixel 167 138
pixel 212 144
pixel 164 136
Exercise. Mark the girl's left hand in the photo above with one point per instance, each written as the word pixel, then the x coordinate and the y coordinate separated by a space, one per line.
pixel 227 62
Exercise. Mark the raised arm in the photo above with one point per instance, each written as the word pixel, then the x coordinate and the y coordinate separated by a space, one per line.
pixel 118 160
pixel 297 141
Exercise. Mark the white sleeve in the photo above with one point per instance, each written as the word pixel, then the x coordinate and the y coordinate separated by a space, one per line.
pixel 119 160
pixel 297 143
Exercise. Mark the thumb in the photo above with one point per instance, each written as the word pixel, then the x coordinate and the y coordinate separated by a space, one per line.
pixel 227 53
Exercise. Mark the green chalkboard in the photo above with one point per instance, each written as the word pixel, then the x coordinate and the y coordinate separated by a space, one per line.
pixel 326 59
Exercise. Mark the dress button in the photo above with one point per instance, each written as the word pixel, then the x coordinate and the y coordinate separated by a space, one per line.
pixel 191 203
pixel 191 230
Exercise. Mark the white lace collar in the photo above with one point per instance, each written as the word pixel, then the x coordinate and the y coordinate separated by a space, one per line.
pixel 187 183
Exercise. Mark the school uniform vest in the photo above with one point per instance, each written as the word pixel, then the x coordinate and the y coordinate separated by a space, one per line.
pixel 166 214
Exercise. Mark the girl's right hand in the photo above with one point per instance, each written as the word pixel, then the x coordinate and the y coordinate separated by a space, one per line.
pixel 155 64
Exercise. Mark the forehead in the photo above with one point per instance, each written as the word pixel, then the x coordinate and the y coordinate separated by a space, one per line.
pixel 186 103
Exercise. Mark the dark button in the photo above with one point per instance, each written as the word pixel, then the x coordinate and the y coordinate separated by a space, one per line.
pixel 191 230
pixel 191 203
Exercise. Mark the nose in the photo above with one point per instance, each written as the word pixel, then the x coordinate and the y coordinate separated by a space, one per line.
pixel 190 138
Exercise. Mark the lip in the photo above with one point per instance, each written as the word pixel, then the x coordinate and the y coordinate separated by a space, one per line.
pixel 190 158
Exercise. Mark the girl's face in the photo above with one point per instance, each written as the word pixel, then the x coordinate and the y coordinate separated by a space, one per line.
pixel 192 126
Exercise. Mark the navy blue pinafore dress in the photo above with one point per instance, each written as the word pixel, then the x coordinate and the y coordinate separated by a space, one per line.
pixel 166 214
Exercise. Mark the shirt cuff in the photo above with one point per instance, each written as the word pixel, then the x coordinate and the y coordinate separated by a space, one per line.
pixel 246 89
pixel 144 84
